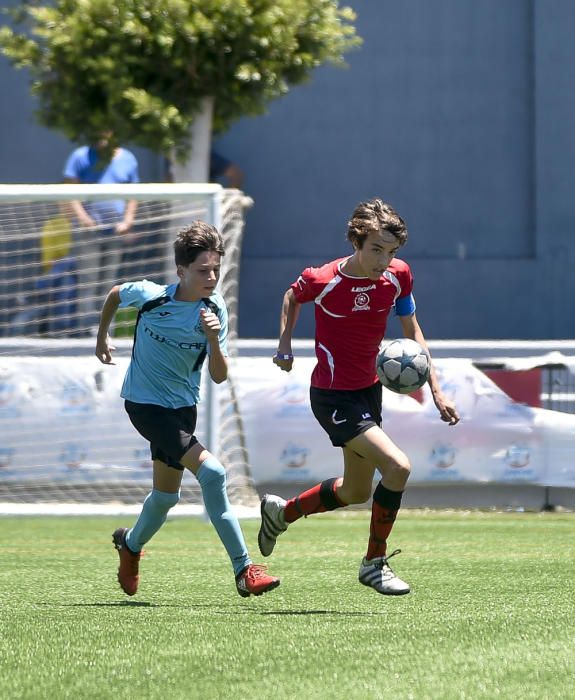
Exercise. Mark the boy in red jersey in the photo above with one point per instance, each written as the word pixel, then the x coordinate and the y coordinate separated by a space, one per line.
pixel 353 297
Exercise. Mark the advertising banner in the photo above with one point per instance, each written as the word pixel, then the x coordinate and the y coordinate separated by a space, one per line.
pixel 497 439
pixel 62 418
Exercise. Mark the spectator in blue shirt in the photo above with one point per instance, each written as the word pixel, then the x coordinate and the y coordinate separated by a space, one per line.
pixel 102 226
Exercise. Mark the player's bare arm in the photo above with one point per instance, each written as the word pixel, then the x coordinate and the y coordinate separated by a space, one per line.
pixel 289 315
pixel 446 407
pixel 103 347
pixel 218 365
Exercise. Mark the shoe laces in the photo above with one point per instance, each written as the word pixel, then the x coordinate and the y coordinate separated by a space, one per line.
pixel 256 571
pixel 382 563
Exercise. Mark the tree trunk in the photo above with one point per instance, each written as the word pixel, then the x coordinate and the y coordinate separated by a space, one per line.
pixel 197 167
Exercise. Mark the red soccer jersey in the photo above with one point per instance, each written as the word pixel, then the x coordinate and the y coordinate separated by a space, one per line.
pixel 350 319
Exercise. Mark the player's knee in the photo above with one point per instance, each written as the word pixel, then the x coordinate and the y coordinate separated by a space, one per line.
pixel 354 493
pixel 401 468
pixel 162 501
pixel 362 495
pixel 210 471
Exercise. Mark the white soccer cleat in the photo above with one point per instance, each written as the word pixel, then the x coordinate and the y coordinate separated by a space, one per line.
pixel 273 523
pixel 377 574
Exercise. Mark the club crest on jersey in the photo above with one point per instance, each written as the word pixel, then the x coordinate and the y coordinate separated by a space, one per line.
pixel 361 302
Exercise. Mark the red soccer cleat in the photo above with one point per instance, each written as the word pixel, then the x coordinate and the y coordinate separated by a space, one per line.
pixel 254 581
pixel 128 575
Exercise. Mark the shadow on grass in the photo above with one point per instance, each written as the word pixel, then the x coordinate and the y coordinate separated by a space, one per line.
pixel 234 610
pixel 215 608
pixel 340 613
pixel 112 604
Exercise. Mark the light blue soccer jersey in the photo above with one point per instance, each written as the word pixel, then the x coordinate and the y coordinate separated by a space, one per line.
pixel 169 344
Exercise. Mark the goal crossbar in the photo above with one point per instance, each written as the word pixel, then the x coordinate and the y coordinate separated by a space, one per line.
pixel 140 191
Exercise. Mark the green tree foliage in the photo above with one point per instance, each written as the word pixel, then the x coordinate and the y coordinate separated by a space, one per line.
pixel 142 67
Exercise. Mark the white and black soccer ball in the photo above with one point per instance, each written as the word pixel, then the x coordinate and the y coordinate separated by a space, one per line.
pixel 402 366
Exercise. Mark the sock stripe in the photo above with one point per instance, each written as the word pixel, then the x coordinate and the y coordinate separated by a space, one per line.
pixel 327 495
pixel 390 500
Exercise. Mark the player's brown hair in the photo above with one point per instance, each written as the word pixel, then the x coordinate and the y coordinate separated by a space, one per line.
pixel 194 239
pixel 375 215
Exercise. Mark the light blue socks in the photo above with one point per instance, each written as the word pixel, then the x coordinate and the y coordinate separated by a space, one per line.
pixel 153 516
pixel 212 478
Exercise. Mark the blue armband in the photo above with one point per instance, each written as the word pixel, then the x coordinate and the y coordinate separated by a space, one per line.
pixel 405 306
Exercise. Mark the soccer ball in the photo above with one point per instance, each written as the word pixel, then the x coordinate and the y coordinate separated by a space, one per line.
pixel 402 366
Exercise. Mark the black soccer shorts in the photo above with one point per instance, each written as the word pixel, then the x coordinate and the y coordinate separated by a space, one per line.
pixel 346 414
pixel 170 431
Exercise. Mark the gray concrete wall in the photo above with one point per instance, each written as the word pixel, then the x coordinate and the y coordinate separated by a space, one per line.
pixel 458 112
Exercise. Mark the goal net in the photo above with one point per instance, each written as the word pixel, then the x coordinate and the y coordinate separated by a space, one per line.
pixel 66 444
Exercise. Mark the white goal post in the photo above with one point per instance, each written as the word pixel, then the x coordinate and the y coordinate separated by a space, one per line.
pixel 66 444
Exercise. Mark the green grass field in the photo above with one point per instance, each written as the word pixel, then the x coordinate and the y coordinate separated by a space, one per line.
pixel 491 615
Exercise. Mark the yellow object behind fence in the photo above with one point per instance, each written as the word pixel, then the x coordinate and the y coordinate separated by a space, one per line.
pixel 56 240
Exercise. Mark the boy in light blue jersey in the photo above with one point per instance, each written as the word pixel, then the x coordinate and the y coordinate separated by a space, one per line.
pixel 170 339
pixel 179 326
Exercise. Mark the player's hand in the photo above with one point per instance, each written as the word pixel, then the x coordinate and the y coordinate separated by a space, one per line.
pixel 104 351
pixel 284 361
pixel 446 409
pixel 210 323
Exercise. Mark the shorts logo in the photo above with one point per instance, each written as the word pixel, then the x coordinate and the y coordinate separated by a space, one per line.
pixel 365 416
pixel 334 419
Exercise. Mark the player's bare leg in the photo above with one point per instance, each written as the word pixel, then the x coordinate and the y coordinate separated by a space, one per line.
pixel 357 483
pixel 277 514
pixel 378 449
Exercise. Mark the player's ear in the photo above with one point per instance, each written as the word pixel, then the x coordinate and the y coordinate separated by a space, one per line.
pixel 355 242
pixel 179 271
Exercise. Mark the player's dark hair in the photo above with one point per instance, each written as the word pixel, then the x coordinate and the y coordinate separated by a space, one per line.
pixel 372 216
pixel 194 239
